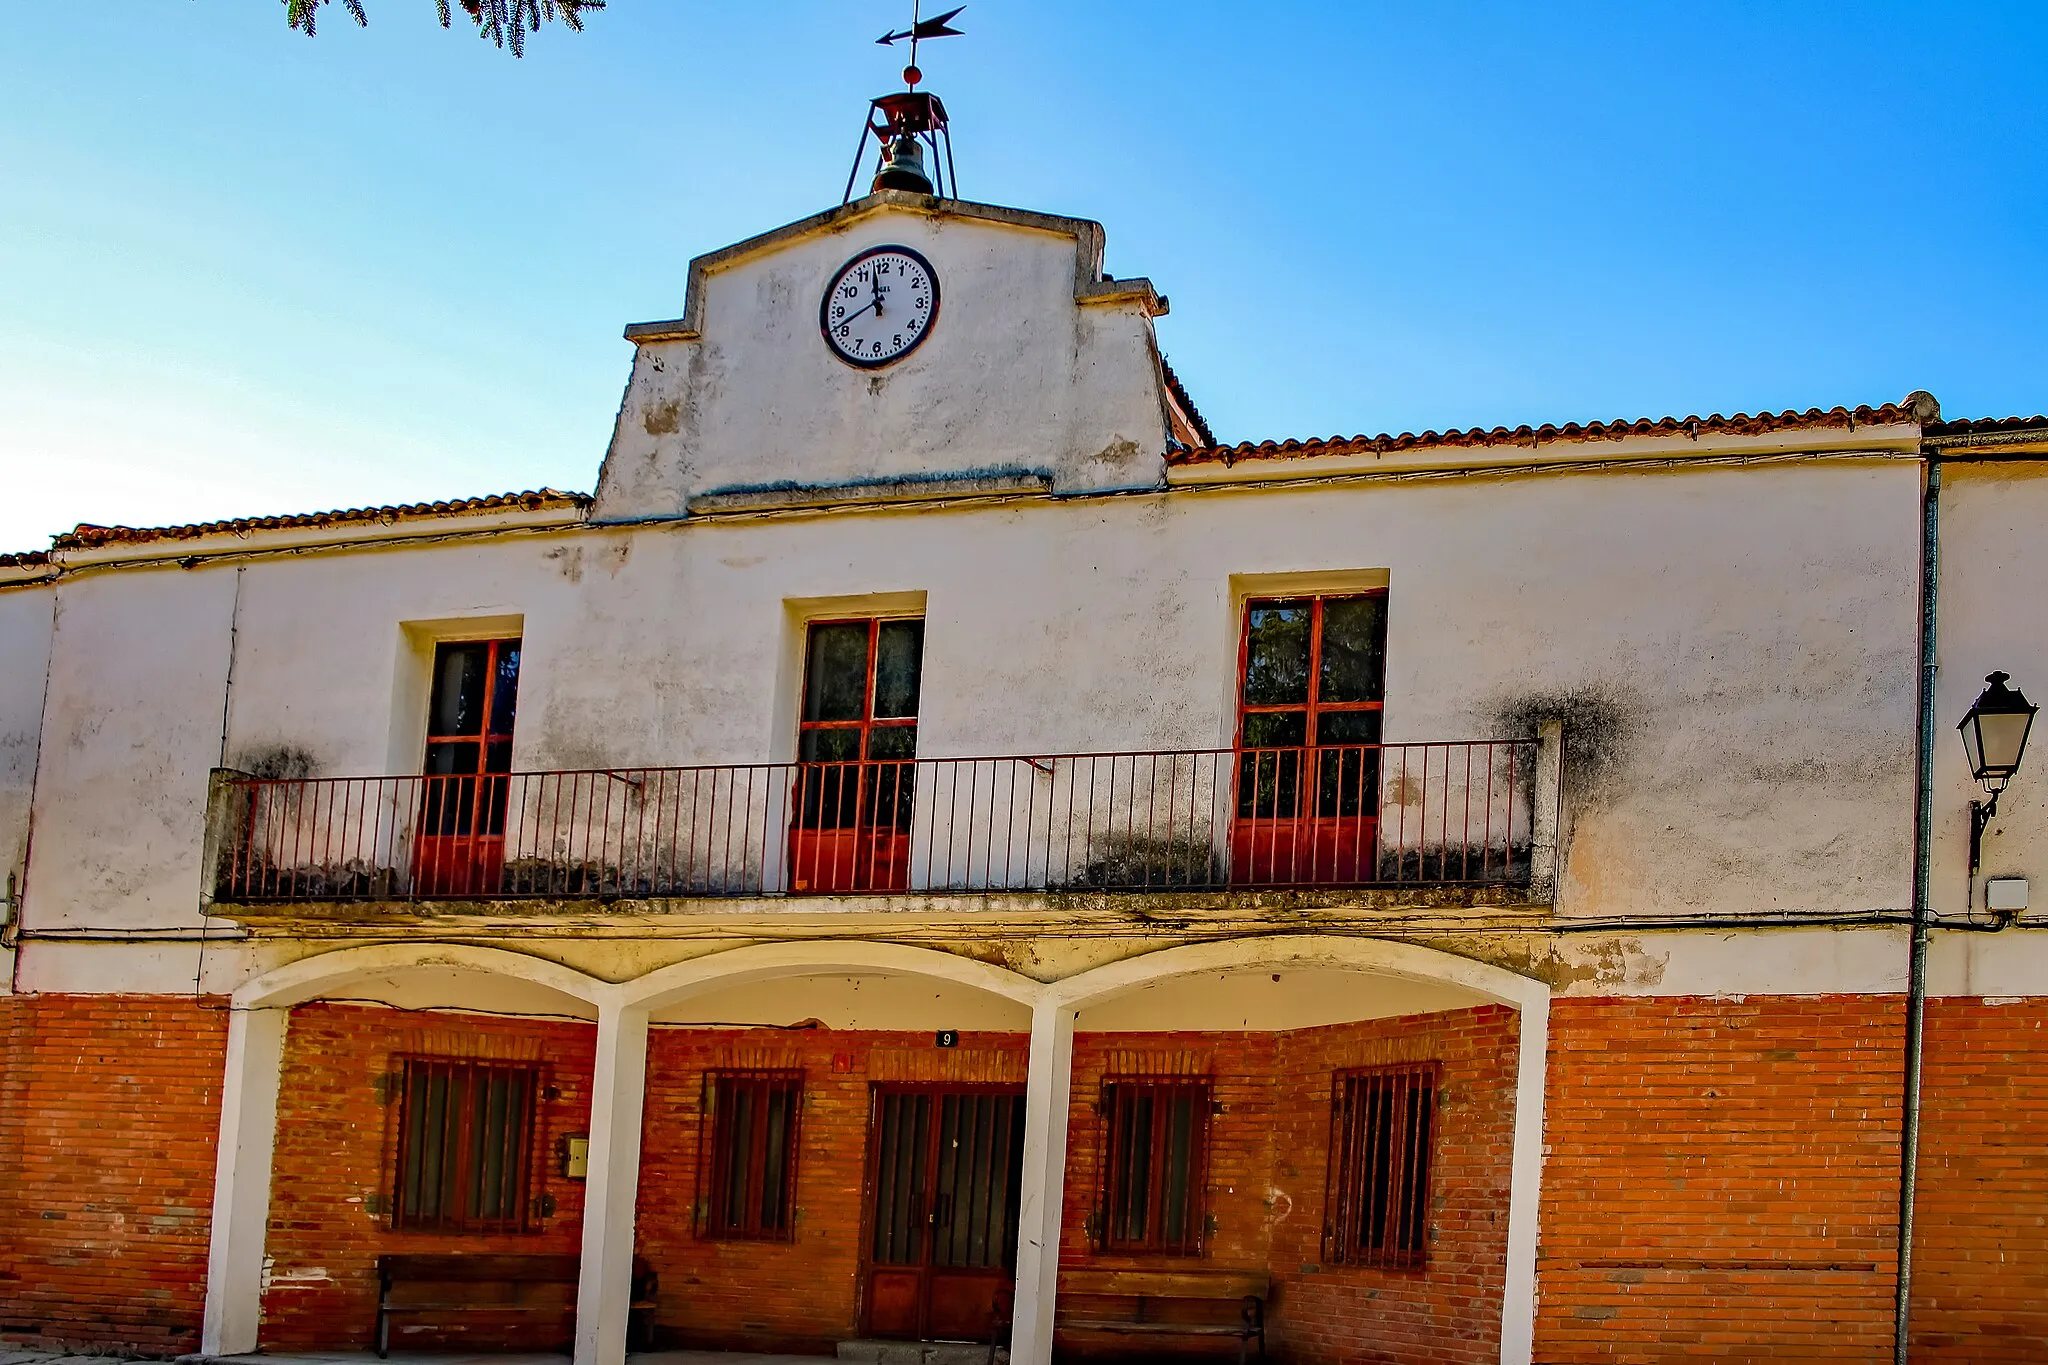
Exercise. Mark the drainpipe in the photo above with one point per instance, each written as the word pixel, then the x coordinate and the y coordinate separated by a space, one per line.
pixel 1923 857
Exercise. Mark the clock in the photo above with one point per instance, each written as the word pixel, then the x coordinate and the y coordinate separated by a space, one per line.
pixel 880 305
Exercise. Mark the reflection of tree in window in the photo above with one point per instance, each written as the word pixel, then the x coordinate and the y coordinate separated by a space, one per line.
pixel 469 735
pixel 1314 679
pixel 861 682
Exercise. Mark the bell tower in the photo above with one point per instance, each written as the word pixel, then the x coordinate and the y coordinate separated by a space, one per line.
pixel 910 122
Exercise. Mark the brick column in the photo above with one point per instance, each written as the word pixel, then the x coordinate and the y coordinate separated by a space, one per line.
pixel 618 1095
pixel 1047 1091
pixel 241 1181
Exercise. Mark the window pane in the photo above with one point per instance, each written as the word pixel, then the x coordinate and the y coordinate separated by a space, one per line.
pixel 1354 649
pixel 1276 729
pixel 1348 727
pixel 505 692
pixel 899 659
pixel 461 756
pixel 1277 654
pixel 457 706
pixel 1177 1163
pixel 892 741
pixel 829 746
pixel 836 672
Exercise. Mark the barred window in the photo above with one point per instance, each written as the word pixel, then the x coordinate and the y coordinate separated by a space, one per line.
pixel 1155 1155
pixel 750 1128
pixel 1382 1139
pixel 465 1145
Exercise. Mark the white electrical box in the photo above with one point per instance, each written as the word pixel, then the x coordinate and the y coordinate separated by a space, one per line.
pixel 576 1158
pixel 2006 894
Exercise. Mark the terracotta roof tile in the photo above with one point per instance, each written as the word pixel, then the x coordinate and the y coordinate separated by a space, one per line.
pixel 87 537
pixel 1981 426
pixel 1197 427
pixel 27 559
pixel 1741 424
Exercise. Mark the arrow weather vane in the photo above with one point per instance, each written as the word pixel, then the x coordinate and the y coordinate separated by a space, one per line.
pixel 939 26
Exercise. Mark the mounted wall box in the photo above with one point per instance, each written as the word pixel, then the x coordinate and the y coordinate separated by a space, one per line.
pixel 2006 894
pixel 576 1157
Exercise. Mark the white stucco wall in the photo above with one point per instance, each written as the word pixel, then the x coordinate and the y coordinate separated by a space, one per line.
pixel 26 615
pixel 1015 374
pixel 1746 633
pixel 1993 615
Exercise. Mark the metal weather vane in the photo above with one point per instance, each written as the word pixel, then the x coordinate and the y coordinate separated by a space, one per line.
pixel 911 120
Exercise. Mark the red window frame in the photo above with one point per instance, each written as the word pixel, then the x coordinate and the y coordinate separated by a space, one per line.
pixel 1308 813
pixel 1384 1130
pixel 738 1152
pixel 465 1165
pixel 1137 1174
pixel 461 848
pixel 850 819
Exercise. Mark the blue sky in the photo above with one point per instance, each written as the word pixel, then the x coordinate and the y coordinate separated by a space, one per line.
pixel 245 272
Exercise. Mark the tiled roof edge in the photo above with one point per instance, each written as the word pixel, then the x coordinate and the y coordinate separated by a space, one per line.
pixel 1187 404
pixel 88 537
pixel 1979 426
pixel 1741 424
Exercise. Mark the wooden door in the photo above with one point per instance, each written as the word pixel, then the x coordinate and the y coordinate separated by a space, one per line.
pixel 856 749
pixel 459 847
pixel 1311 680
pixel 941 1247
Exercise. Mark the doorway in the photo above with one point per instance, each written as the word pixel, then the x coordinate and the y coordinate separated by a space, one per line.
pixel 856 772
pixel 944 1162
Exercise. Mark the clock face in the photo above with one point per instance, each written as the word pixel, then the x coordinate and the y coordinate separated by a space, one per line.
pixel 880 306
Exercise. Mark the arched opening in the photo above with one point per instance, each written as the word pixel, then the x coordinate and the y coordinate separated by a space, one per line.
pixel 404 1103
pixel 1331 1124
pixel 831 1150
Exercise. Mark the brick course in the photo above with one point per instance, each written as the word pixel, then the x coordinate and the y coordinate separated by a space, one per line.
pixel 337 1142
pixel 1721 1179
pixel 109 1114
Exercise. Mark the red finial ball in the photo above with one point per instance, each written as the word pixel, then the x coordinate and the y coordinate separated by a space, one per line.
pixel 911 75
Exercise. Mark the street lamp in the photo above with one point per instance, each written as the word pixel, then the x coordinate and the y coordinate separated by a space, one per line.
pixel 1994 735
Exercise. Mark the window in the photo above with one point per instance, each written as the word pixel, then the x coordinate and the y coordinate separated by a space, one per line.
pixel 465 1145
pixel 461 848
pixel 751 1128
pixel 857 741
pixel 1382 1132
pixel 1155 1151
pixel 1310 695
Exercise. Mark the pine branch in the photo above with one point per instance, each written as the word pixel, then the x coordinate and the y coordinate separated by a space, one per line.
pixel 503 22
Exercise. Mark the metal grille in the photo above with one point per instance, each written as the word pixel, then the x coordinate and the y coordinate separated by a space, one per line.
pixel 1155 1155
pixel 465 1145
pixel 752 1123
pixel 1389 815
pixel 1382 1138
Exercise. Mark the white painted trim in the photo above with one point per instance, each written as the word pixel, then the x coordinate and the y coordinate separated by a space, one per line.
pixel 241 1181
pixel 767 961
pixel 618 1095
pixel 1043 1185
pixel 309 978
pixel 1525 1186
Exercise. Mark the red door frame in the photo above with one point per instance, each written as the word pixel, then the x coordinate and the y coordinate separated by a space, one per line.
pixel 871 854
pixel 470 860
pixel 994 1284
pixel 1305 847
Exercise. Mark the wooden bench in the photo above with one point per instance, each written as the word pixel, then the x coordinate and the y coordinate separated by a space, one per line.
pixel 437 1285
pixel 1192 1303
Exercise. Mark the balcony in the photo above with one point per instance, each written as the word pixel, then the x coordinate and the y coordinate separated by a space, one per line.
pixel 1478 815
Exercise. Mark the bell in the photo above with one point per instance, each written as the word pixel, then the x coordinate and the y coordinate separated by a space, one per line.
pixel 903 168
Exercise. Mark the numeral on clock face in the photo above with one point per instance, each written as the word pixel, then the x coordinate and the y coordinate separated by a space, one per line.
pixel 879 306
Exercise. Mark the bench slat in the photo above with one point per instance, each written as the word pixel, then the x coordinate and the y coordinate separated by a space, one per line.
pixel 1167 1284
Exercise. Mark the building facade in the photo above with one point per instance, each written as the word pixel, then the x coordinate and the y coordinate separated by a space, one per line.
pixel 937 847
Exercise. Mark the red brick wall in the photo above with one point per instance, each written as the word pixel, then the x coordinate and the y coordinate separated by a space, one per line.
pixel 1721 1179
pixel 109 1113
pixel 1266 1177
pixel 802 1294
pixel 1980 1256
pixel 337 1140
pixel 1448 1311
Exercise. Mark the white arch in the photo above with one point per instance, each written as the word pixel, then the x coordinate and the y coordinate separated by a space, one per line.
pixel 309 978
pixel 665 986
pixel 1378 956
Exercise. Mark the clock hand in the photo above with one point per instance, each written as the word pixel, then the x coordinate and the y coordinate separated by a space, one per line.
pixel 876 280
pixel 875 304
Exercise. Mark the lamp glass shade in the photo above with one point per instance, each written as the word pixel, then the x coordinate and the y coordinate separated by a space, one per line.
pixel 1995 731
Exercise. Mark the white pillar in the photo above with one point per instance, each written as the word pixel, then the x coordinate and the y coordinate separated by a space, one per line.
pixel 1048 1089
pixel 1525 1185
pixel 618 1094
pixel 241 1180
